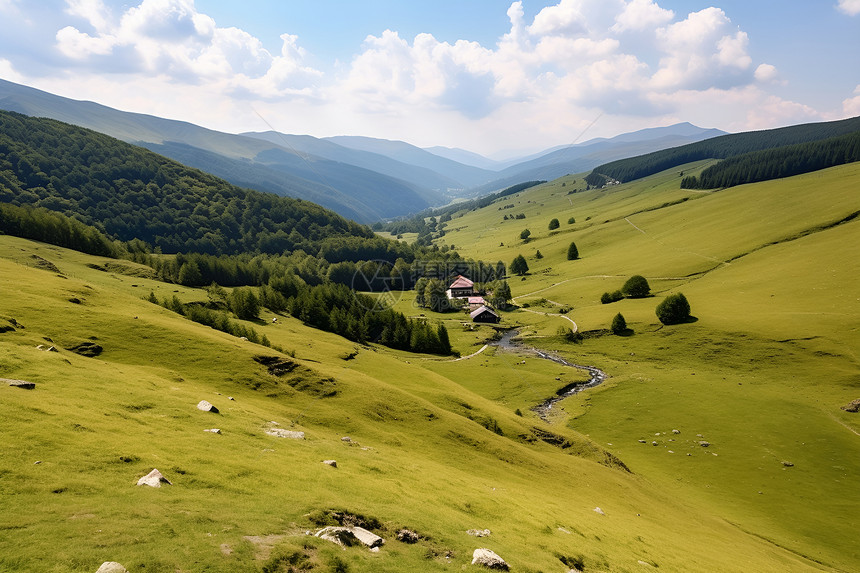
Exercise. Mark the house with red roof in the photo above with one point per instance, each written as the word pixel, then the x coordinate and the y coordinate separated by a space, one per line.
pixel 461 288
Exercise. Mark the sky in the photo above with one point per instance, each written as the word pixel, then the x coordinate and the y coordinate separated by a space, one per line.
pixel 491 76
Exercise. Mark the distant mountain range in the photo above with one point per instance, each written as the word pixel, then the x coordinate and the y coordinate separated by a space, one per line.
pixel 362 178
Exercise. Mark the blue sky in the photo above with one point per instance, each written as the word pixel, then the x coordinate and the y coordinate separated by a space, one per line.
pixel 491 76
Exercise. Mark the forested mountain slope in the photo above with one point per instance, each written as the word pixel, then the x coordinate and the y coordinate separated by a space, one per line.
pixel 132 193
pixel 720 148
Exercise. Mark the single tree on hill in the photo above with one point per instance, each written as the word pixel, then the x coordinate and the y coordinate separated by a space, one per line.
pixel 420 287
pixel 619 325
pixel 538 255
pixel 435 297
pixel 525 234
pixel 636 287
pixel 519 266
pixel 554 224
pixel 572 252
pixel 571 221
pixel 501 294
pixel 674 309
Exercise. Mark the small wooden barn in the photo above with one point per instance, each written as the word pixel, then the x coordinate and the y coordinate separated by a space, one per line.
pixel 485 314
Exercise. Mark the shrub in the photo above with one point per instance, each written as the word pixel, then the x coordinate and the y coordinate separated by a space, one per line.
pixel 572 252
pixel 571 221
pixel 554 224
pixel 525 234
pixel 636 287
pixel 619 325
pixel 674 309
pixel 610 297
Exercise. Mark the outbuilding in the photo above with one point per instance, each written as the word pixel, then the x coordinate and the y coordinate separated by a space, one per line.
pixel 485 314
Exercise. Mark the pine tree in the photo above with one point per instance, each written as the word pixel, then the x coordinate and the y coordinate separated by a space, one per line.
pixel 619 325
pixel 572 252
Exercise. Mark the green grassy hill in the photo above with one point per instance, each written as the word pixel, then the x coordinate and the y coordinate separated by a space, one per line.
pixel 770 271
pixel 419 454
pixel 436 445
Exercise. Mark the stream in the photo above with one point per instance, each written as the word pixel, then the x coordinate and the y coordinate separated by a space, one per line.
pixel 543 409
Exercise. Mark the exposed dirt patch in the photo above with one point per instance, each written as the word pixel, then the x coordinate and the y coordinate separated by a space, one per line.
pixel 88 349
pixel 44 264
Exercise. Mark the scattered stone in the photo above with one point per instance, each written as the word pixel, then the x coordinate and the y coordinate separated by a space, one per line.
pixel 408 536
pixel 788 464
pixel 332 463
pixel 153 479
pixel 231 398
pixel 654 443
pixel 88 349
pixel 213 430
pixel 282 433
pixel 19 383
pixel 488 559
pixel 676 431
pixel 599 511
pixel 642 442
pixel 348 536
pixel 346 439
pixel 37 462
pixel 479 532
pixel 704 444
pixel 111 567
pixel 853 407
pixel 207 407
pixel 52 349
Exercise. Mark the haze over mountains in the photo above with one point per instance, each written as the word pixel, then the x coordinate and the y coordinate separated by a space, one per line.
pixel 362 178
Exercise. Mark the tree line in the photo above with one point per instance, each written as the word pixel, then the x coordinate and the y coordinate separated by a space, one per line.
pixel 777 163
pixel 721 147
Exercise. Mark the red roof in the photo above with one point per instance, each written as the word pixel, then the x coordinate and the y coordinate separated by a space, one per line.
pixel 475 300
pixel 462 282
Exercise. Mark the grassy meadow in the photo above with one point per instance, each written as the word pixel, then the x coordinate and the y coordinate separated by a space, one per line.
pixel 435 444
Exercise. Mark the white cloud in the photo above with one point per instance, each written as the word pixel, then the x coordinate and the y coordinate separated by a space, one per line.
pixel 766 73
pixel 547 77
pixel 701 52
pixel 8 71
pixel 642 15
pixel 850 7
pixel 170 38
pixel 851 106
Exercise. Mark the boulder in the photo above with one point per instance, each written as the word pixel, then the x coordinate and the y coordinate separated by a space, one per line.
pixel 408 536
pixel 348 536
pixel 599 511
pixel 213 430
pixel 488 559
pixel 332 463
pixel 19 383
pixel 282 433
pixel 366 537
pixel 704 444
pixel 111 567
pixel 153 479
pixel 853 406
pixel 207 407
pixel 479 532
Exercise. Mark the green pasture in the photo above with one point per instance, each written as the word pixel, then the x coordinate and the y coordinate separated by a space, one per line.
pixel 421 454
